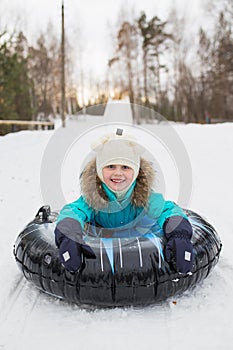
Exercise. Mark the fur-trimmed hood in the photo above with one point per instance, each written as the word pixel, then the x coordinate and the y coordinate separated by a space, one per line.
pixel 95 196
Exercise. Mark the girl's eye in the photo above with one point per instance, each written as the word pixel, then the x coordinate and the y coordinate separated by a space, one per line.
pixel 113 166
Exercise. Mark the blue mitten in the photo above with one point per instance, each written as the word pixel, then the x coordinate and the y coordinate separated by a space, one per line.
pixel 179 249
pixel 70 254
pixel 68 238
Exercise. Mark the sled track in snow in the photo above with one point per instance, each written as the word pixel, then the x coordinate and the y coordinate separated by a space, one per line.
pixel 11 310
pixel 225 266
pixel 13 297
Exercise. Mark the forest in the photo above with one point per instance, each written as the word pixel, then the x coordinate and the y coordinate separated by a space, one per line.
pixel 188 81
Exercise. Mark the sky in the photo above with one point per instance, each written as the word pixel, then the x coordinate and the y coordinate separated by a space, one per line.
pixel 88 22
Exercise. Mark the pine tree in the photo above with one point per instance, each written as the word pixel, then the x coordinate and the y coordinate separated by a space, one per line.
pixel 154 36
pixel 14 82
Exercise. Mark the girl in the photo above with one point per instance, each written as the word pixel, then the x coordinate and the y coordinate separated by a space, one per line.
pixel 117 195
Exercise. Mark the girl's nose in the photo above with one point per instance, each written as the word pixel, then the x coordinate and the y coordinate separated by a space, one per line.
pixel 118 170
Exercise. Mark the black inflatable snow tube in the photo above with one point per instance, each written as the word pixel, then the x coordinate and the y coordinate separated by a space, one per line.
pixel 132 272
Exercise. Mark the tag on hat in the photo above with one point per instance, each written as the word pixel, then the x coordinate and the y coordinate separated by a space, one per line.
pixel 119 132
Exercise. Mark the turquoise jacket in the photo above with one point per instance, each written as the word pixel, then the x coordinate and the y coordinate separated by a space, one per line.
pixel 121 214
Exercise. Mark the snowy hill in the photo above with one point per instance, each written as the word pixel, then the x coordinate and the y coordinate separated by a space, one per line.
pixel 199 319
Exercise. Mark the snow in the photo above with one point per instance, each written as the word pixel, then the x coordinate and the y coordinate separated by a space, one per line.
pixel 199 319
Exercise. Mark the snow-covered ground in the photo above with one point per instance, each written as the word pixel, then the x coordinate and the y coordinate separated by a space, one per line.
pixel 199 319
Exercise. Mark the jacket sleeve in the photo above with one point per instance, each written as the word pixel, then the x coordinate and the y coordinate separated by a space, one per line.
pixel 161 210
pixel 77 210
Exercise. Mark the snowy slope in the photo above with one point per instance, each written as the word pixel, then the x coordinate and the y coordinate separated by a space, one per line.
pixel 200 319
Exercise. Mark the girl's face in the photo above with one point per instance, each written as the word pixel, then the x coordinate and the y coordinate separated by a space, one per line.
pixel 117 177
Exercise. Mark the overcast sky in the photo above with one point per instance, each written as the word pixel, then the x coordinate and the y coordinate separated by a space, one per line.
pixel 87 20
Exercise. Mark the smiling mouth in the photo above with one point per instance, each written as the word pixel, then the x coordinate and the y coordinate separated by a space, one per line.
pixel 117 180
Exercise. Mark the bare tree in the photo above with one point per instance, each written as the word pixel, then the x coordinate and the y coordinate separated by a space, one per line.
pixel 204 54
pixel 177 56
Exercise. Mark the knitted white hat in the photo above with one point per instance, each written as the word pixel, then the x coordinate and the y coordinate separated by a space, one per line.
pixel 117 149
